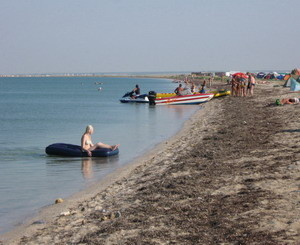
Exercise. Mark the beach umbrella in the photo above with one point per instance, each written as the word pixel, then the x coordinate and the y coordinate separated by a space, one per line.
pixel 240 74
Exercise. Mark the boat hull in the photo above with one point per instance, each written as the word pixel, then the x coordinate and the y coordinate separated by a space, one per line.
pixel 129 100
pixel 184 99
pixel 217 93
pixel 69 150
pixel 143 98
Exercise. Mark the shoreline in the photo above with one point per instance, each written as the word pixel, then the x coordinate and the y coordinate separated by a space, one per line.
pixel 14 216
pixel 47 214
pixel 231 175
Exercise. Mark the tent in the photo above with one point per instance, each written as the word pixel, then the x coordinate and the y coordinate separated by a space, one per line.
pixel 293 83
pixel 287 77
pixel 280 77
pixel 269 76
pixel 294 76
pixel 261 75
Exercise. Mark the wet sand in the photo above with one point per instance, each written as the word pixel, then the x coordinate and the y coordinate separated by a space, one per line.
pixel 230 176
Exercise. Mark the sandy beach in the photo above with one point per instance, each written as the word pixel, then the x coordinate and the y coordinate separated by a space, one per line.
pixel 230 176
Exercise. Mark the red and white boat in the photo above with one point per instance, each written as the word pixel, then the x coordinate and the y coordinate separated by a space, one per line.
pixel 184 99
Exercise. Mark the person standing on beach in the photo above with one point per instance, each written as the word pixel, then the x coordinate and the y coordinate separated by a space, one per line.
pixel 233 86
pixel 87 144
pixel 210 80
pixel 243 86
pixel 251 84
pixel 240 83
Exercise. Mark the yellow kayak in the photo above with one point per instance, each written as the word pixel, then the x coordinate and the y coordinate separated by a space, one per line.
pixel 220 93
pixel 217 93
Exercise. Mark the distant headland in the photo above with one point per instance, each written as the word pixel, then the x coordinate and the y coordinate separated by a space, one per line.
pixel 115 74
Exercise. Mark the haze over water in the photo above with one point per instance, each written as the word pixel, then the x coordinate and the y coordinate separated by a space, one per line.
pixel 36 112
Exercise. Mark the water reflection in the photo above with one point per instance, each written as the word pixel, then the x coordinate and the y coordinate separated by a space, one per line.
pixel 90 168
pixel 180 110
pixel 91 165
pixel 87 168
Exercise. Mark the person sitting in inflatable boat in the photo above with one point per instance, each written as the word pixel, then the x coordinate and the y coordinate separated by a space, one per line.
pixel 87 144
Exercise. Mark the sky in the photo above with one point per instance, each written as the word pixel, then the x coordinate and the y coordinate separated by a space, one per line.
pixel 84 36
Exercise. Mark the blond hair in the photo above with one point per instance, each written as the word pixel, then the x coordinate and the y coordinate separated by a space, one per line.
pixel 88 128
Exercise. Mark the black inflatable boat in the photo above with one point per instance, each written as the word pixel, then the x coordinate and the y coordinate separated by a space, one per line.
pixel 68 150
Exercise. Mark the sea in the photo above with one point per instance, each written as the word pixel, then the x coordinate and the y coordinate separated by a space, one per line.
pixel 38 111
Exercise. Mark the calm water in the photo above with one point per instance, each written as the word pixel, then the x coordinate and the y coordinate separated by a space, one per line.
pixel 36 112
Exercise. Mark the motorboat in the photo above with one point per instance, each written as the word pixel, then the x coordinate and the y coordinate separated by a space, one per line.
pixel 183 99
pixel 130 98
pixel 217 93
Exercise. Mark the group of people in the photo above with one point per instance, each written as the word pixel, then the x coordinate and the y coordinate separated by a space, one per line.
pixel 243 85
pixel 189 89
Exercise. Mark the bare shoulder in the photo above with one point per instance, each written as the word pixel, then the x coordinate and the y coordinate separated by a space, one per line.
pixel 83 137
